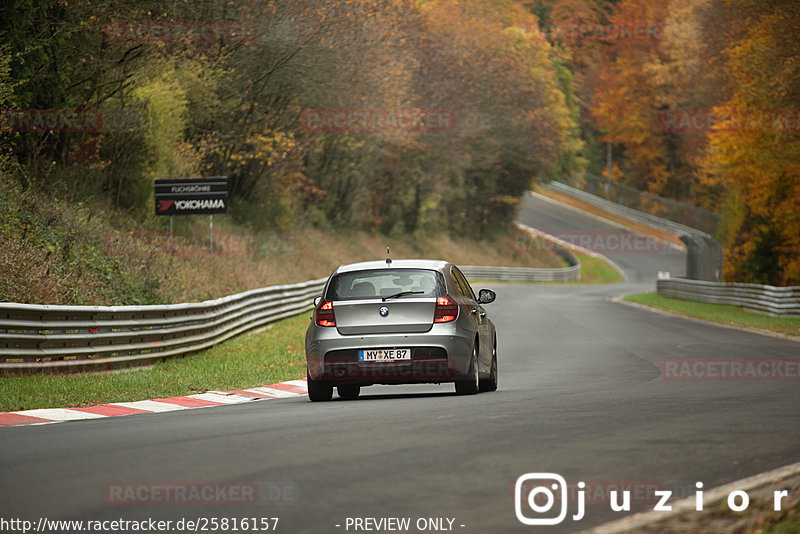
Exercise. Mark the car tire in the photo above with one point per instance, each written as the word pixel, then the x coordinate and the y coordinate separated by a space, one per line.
pixel 470 385
pixel 490 384
pixel 319 390
pixel 348 392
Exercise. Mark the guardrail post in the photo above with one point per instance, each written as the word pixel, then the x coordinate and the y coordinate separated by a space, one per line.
pixel 713 260
pixel 692 255
pixel 704 256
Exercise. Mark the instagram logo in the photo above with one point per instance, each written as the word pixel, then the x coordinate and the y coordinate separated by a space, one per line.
pixel 538 492
pixel 542 492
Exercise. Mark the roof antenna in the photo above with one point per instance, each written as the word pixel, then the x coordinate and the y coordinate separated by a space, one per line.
pixel 388 259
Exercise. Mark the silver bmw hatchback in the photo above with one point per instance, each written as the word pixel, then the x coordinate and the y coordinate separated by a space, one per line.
pixel 400 322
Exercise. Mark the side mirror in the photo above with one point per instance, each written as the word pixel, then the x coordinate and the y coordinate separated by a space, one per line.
pixel 317 300
pixel 485 296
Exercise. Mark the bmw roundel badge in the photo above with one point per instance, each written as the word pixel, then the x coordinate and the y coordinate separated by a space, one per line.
pixel 384 311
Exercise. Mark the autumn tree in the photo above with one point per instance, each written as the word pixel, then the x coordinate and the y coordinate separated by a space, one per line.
pixel 491 67
pixel 754 148
pixel 626 106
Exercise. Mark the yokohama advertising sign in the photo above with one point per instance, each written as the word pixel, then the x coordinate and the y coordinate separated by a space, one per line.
pixel 192 196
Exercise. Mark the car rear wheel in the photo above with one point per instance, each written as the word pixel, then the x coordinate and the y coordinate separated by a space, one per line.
pixel 490 384
pixel 318 390
pixel 348 392
pixel 469 386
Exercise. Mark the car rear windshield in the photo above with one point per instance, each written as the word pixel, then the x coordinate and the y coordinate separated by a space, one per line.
pixel 383 283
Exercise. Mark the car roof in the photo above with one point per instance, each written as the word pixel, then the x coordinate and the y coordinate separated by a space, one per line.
pixel 437 265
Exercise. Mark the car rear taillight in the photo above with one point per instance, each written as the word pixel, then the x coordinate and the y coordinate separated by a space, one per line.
pixel 324 315
pixel 446 310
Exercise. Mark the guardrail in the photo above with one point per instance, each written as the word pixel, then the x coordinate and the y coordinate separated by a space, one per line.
pixel 522 274
pixel 644 201
pixel 645 218
pixel 772 300
pixel 530 274
pixel 77 338
pixel 704 253
pixel 34 337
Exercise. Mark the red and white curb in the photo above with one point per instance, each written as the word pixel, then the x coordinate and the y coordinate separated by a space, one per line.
pixel 291 388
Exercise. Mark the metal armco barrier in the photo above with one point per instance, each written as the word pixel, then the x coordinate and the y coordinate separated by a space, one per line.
pixel 695 217
pixel 703 252
pixel 530 274
pixel 66 338
pixel 522 274
pixel 76 338
pixel 779 301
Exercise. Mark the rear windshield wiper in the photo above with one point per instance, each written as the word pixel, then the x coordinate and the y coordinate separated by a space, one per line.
pixel 401 294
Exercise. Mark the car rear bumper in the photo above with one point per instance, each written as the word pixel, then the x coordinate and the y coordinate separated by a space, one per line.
pixel 435 357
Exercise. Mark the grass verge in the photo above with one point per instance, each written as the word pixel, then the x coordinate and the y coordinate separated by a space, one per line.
pixel 596 270
pixel 254 359
pixel 720 313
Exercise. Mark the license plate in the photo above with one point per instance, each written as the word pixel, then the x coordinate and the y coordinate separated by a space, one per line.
pixel 384 355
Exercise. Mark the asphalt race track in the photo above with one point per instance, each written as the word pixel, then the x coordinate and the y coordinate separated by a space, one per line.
pixel 580 395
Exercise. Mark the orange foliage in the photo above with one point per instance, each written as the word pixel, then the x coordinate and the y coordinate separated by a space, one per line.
pixel 755 155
